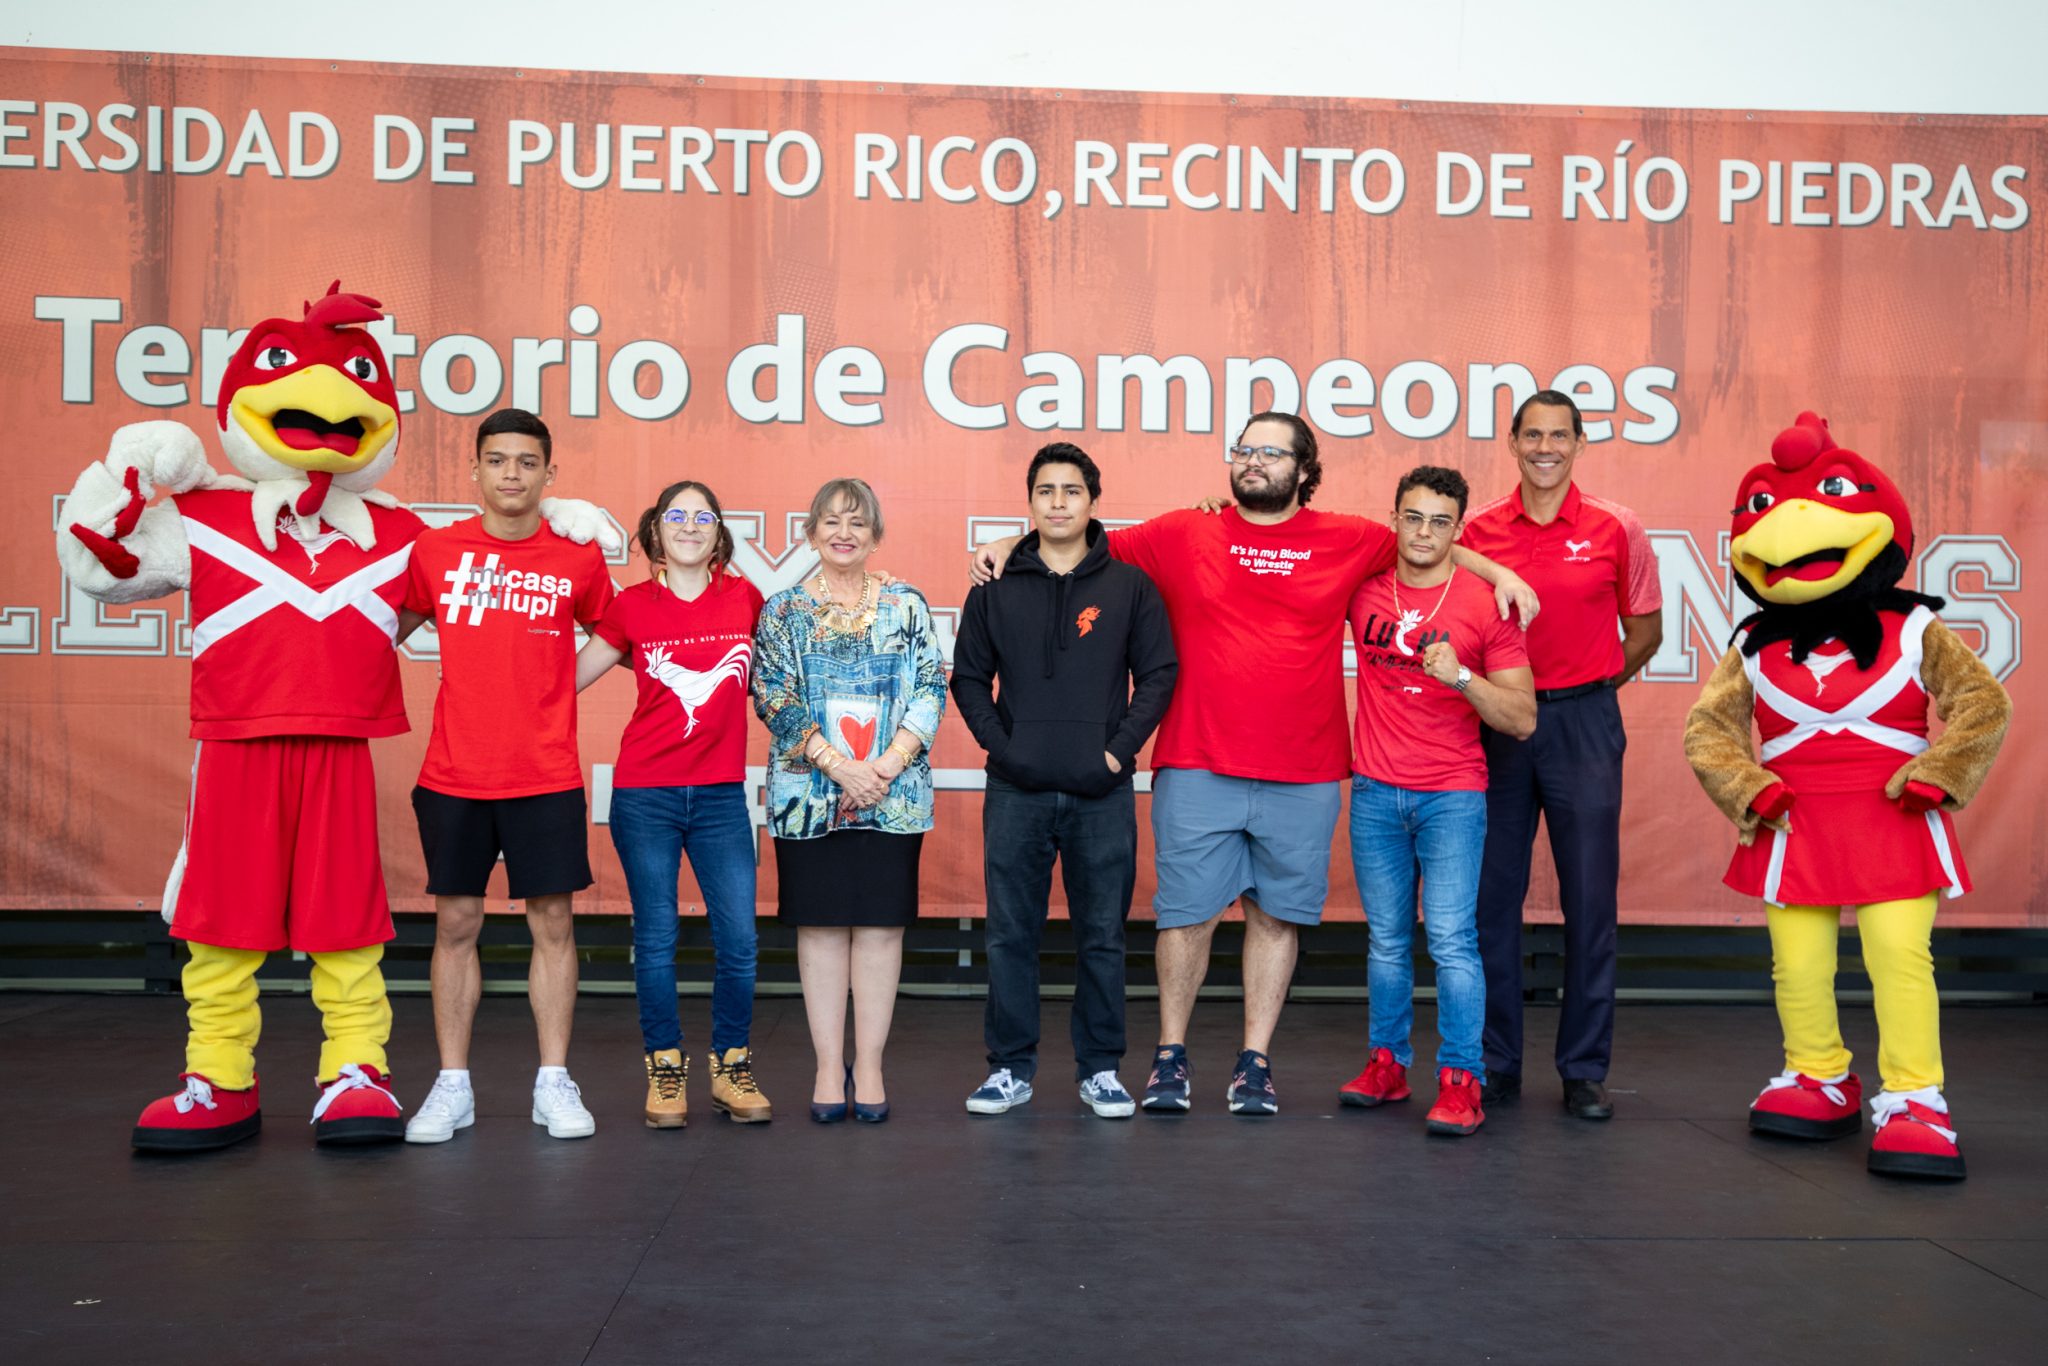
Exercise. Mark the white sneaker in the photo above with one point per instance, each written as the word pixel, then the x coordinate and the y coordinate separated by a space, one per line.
pixel 448 1107
pixel 559 1105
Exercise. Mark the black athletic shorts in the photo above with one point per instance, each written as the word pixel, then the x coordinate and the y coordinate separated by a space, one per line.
pixel 545 841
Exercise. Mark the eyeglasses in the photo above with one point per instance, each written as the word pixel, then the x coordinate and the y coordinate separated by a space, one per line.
pixel 683 517
pixel 1415 521
pixel 1258 455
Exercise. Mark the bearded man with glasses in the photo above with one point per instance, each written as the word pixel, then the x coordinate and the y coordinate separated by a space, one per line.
pixel 1254 749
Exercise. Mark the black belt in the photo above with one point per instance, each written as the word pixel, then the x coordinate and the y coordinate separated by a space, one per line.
pixel 1566 694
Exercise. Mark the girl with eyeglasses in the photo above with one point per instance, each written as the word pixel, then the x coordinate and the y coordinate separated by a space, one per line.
pixel 679 788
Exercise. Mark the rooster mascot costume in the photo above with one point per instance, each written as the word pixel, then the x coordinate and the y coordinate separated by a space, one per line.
pixel 297 570
pixel 1850 804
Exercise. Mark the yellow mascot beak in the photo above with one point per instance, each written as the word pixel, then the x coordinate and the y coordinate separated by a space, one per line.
pixel 1802 550
pixel 315 419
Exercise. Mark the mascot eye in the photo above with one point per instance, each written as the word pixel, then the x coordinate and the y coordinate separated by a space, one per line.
pixel 1837 486
pixel 1758 501
pixel 274 358
pixel 363 368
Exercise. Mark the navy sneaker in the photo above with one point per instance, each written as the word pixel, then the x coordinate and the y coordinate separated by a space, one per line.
pixel 1105 1095
pixel 1251 1087
pixel 1167 1092
pixel 999 1094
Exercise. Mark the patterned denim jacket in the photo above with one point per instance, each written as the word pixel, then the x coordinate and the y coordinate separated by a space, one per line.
pixel 859 690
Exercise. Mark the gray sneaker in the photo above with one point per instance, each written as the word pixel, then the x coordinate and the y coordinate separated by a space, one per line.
pixel 1105 1095
pixel 996 1095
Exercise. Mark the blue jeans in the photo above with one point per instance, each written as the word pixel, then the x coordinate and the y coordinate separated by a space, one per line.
pixel 652 827
pixel 1395 834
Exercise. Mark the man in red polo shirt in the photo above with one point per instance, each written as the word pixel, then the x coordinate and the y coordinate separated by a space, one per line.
pixel 1590 562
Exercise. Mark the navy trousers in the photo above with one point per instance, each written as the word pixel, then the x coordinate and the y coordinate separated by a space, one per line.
pixel 1569 773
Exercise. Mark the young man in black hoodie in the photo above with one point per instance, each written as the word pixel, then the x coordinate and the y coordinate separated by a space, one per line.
pixel 1081 646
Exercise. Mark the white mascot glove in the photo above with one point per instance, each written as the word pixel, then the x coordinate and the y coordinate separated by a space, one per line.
pixel 109 541
pixel 575 520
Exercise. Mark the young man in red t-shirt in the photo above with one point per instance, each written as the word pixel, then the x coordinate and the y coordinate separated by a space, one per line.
pixel 1253 752
pixel 1435 662
pixel 502 775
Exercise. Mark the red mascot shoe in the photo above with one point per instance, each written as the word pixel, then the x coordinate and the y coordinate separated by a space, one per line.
pixel 356 1108
pixel 1914 1137
pixel 1795 1105
pixel 1383 1080
pixel 200 1117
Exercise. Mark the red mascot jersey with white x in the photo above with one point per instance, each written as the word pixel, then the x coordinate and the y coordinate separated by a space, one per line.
pixel 1835 734
pixel 296 640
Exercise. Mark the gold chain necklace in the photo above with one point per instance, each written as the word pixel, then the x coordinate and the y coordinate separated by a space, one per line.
pixel 847 620
pixel 1439 598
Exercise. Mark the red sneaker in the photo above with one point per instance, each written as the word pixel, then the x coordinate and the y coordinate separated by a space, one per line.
pixel 199 1117
pixel 1795 1105
pixel 1457 1103
pixel 1383 1080
pixel 1915 1136
pixel 356 1108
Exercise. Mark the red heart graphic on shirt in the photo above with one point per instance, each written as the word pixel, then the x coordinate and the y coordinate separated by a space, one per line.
pixel 858 735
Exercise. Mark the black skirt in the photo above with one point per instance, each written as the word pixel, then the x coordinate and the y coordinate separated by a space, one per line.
pixel 848 878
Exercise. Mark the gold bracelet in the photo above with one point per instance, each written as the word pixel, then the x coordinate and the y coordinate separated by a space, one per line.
pixel 908 757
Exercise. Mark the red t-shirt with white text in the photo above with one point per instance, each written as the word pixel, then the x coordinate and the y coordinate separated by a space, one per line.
pixel 692 662
pixel 506 612
pixel 1258 621
pixel 1413 731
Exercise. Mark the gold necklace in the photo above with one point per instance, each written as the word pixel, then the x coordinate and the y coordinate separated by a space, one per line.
pixel 1439 597
pixel 847 620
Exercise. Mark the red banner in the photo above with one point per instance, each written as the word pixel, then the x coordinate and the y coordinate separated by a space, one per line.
pixel 764 285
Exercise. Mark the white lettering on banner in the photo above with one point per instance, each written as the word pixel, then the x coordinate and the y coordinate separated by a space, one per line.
pixel 1983 619
pixel 647 379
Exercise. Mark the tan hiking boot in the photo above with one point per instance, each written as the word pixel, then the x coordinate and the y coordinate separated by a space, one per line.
pixel 733 1089
pixel 667 1106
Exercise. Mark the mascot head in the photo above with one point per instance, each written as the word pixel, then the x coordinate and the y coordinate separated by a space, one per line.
pixel 1815 520
pixel 313 398
pixel 1821 538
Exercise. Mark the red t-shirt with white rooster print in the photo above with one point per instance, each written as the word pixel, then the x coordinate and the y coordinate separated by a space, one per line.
pixel 692 662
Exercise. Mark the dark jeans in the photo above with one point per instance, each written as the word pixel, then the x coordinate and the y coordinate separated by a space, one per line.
pixel 1569 773
pixel 653 827
pixel 1096 841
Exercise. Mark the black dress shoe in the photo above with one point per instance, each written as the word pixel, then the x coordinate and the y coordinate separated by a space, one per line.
pixel 1587 1099
pixel 1500 1086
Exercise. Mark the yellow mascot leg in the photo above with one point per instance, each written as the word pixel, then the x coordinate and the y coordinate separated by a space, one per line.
pixel 221 1011
pixel 348 986
pixel 1899 956
pixel 1803 970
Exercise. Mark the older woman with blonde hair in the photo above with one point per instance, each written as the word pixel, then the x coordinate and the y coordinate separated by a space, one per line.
pixel 849 678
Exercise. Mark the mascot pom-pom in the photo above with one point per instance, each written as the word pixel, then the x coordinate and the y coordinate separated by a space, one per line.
pixel 1849 804
pixel 296 568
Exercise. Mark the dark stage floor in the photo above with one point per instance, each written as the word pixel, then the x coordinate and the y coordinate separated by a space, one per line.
pixel 1667 1235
